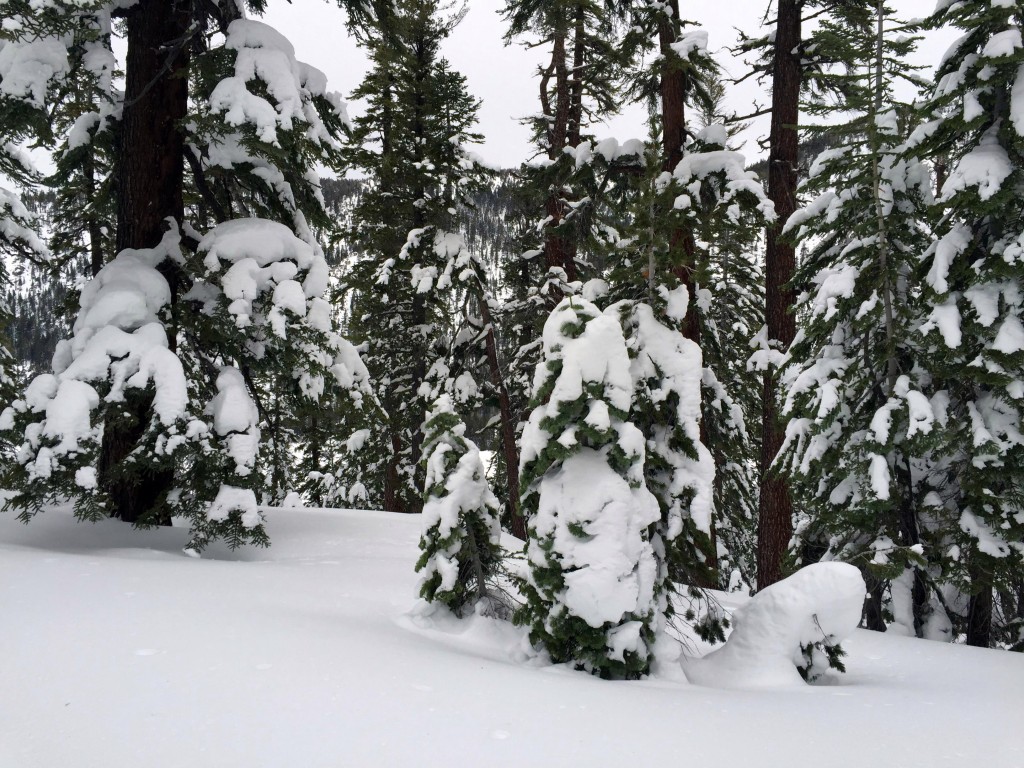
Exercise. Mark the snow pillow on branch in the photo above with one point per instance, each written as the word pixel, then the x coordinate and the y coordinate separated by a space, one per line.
pixel 116 367
pixel 266 122
pixel 805 615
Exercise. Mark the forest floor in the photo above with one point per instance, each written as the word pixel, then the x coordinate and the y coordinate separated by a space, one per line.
pixel 117 650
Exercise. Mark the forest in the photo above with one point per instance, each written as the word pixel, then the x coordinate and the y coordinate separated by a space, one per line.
pixel 662 369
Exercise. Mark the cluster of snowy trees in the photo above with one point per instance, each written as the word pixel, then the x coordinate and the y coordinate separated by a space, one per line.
pixel 684 377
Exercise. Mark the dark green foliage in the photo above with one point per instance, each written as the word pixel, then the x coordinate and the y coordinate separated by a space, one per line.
pixel 460 553
pixel 405 287
pixel 971 288
pixel 860 435
pixel 818 657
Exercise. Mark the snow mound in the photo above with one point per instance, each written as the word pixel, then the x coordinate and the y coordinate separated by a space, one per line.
pixel 610 569
pixel 820 602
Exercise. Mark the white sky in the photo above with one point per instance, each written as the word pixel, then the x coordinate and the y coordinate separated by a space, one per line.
pixel 504 77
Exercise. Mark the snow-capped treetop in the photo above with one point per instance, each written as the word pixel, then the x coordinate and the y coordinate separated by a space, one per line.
pixel 265 56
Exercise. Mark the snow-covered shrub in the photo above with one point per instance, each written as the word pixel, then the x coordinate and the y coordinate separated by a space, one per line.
pixel 460 546
pixel 789 631
pixel 590 588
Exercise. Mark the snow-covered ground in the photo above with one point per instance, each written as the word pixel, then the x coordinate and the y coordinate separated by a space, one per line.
pixel 118 650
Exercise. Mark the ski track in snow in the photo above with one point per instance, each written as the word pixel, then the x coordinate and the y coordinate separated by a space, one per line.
pixel 118 650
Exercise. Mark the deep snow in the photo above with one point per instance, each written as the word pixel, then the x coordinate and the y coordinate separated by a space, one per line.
pixel 118 650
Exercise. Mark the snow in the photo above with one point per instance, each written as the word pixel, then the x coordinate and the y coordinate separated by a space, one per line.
pixel 821 601
pixel 1004 43
pixel 986 167
pixel 597 355
pixel 610 571
pixel 264 55
pixel 1017 102
pixel 236 419
pixel 28 67
pixel 230 499
pixel 117 650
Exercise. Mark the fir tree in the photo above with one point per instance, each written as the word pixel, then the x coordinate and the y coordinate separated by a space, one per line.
pixel 406 285
pixel 590 589
pixel 460 546
pixel 154 408
pixel 857 443
pixel 973 341
pixel 560 196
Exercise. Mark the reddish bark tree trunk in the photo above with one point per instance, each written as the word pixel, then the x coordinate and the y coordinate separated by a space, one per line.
pixel 775 515
pixel 149 190
pixel 510 452
pixel 559 251
pixel 683 246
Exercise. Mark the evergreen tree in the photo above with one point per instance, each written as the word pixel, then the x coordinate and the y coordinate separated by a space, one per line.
pixel 406 285
pixel 973 341
pixel 154 407
pixel 460 546
pixel 678 470
pixel 858 440
pixel 590 588
pixel 560 196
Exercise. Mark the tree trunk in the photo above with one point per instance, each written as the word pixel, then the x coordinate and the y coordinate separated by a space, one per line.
pixel 559 251
pixel 873 605
pixel 149 190
pixel 775 515
pixel 682 244
pixel 510 452
pixel 979 608
pixel 674 86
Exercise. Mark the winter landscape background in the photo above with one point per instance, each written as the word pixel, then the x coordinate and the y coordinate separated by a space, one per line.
pixel 666 402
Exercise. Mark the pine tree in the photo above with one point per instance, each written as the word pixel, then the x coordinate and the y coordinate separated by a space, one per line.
pixel 406 285
pixel 856 395
pixel 154 407
pixel 561 194
pixel 973 341
pixel 590 589
pixel 460 546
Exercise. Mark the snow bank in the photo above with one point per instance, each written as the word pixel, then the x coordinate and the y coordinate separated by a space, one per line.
pixel 820 602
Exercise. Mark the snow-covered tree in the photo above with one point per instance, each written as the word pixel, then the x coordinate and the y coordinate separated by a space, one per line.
pixel 679 470
pixel 856 395
pixel 560 190
pixel 153 409
pixel 460 548
pixel 405 285
pixel 973 336
pixel 590 587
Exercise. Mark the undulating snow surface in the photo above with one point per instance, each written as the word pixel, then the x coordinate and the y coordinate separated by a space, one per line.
pixel 117 650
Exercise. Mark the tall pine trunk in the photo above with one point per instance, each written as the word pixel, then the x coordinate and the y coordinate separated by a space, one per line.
pixel 149 190
pixel 775 507
pixel 559 250
pixel 674 88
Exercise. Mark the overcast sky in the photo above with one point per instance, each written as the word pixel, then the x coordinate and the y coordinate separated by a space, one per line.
pixel 504 77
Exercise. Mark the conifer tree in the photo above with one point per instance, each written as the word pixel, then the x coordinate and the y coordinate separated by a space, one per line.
pixel 405 285
pixel 590 588
pixel 973 341
pixel 154 406
pixel 856 395
pixel 460 545
pixel 560 194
